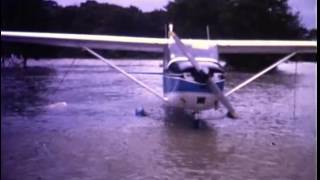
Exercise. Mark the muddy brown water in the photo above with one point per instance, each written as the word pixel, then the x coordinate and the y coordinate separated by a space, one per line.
pixel 84 127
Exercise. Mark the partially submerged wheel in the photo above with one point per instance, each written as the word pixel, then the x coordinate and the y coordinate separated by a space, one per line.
pixel 196 120
pixel 196 124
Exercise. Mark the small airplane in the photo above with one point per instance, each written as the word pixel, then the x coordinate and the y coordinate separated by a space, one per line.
pixel 193 78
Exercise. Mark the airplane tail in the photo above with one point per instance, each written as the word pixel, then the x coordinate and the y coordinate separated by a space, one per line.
pixel 210 50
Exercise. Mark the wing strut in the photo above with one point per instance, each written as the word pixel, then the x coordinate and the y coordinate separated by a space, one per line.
pixel 260 73
pixel 125 73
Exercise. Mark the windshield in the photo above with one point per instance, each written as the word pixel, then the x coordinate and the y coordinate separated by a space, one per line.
pixel 186 66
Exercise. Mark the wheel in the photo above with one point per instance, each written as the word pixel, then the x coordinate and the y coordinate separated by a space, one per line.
pixel 196 124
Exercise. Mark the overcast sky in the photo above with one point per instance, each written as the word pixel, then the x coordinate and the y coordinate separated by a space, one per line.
pixel 307 8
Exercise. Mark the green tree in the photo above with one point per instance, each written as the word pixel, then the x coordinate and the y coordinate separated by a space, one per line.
pixel 240 19
pixel 31 15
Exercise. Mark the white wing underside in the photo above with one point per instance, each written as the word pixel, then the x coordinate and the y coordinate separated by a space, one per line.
pixel 157 44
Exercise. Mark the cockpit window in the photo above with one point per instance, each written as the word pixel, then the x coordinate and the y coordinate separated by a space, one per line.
pixel 186 66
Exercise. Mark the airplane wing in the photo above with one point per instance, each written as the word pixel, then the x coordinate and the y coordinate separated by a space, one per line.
pixel 257 46
pixel 86 40
pixel 158 44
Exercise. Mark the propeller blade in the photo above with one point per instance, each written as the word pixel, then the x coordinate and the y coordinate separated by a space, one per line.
pixel 222 98
pixel 185 51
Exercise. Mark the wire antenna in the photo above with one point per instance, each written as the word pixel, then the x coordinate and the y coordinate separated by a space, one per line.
pixel 208 32
pixel 170 27
pixel 294 90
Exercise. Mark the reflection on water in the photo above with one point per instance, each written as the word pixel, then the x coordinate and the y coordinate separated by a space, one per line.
pixel 22 90
pixel 84 126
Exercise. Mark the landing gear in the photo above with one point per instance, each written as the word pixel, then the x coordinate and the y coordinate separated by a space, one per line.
pixel 196 122
pixel 216 105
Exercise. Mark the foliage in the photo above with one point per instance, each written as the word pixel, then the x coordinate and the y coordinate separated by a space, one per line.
pixel 240 19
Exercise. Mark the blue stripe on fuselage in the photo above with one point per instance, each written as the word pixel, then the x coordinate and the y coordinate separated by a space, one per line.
pixel 176 84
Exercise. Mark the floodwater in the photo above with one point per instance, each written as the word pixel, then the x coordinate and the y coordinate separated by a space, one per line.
pixel 66 119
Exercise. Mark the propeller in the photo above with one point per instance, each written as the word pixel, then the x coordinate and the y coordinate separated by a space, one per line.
pixel 204 74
